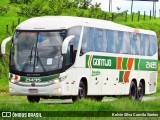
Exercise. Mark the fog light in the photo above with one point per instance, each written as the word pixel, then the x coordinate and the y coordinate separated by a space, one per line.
pixel 59 90
pixel 10 89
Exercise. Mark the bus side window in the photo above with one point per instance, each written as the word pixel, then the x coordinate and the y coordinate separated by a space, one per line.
pixel 145 45
pixel 153 44
pixel 112 41
pixel 76 40
pixel 135 44
pixel 100 40
pixel 124 42
pixel 75 31
pixel 88 40
pixel 69 55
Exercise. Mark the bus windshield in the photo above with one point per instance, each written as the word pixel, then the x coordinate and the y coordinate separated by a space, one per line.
pixel 36 52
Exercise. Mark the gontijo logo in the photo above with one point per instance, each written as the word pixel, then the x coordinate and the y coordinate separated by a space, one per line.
pixel 102 62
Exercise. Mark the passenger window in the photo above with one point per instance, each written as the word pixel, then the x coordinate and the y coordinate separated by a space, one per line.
pixel 135 44
pixel 153 44
pixel 144 46
pixel 124 42
pixel 75 31
pixel 88 40
pixel 112 41
pixel 100 40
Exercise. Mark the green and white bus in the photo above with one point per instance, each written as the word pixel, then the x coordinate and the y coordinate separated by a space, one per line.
pixel 74 57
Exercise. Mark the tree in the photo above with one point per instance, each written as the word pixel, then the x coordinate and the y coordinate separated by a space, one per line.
pixel 84 4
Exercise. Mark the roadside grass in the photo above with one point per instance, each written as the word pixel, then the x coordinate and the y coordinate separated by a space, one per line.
pixel 89 107
pixel 122 104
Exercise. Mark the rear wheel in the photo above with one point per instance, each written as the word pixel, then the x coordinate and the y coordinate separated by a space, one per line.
pixel 81 92
pixel 33 99
pixel 133 91
pixel 140 92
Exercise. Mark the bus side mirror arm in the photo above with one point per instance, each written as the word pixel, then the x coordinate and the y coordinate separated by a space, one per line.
pixel 66 42
pixel 3 45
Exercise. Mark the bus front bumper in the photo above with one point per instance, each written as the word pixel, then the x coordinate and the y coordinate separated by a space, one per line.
pixel 49 90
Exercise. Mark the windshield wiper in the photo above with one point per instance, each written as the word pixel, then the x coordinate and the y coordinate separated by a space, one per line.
pixel 38 59
pixel 29 58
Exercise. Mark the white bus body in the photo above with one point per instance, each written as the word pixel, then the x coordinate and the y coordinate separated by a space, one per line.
pixel 105 58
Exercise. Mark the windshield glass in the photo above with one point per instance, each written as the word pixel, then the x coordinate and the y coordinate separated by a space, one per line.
pixel 37 51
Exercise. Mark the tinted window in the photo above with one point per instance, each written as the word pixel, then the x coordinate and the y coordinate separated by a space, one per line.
pixel 75 31
pixel 153 45
pixel 144 45
pixel 100 40
pixel 112 41
pixel 135 44
pixel 88 40
pixel 124 42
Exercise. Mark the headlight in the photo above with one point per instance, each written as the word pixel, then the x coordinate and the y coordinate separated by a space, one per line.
pixel 57 80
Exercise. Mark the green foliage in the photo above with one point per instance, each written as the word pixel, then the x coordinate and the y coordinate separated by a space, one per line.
pixel 59 7
pixel 20 1
pixel 4 9
pixel 35 8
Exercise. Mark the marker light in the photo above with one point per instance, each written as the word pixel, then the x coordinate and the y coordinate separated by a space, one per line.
pixel 15 78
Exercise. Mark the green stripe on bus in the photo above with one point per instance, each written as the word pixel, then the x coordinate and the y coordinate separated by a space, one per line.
pixel 87 60
pixel 107 62
pixel 124 63
pixel 42 79
pixel 149 65
pixel 121 76
pixel 136 65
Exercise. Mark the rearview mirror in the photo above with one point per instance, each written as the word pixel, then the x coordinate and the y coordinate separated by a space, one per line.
pixel 66 42
pixel 3 45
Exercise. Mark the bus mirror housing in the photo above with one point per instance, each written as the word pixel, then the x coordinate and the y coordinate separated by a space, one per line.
pixel 66 42
pixel 3 45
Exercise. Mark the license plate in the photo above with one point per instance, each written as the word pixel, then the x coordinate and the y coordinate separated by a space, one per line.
pixel 33 90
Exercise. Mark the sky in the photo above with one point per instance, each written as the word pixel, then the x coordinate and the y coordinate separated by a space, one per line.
pixel 126 5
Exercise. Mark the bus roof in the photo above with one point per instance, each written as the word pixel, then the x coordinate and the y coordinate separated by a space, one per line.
pixel 65 22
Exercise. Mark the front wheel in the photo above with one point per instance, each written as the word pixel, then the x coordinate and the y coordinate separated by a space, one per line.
pixel 81 92
pixel 33 99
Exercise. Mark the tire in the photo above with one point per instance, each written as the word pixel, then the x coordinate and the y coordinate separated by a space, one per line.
pixel 33 99
pixel 140 92
pixel 133 91
pixel 81 92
